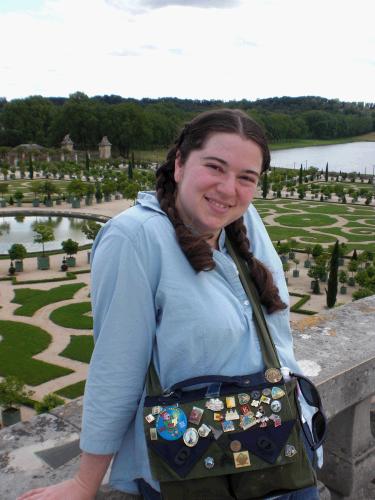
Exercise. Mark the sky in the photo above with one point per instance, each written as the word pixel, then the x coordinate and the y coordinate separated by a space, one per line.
pixel 196 49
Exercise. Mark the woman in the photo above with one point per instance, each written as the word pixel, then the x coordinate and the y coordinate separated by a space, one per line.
pixel 164 288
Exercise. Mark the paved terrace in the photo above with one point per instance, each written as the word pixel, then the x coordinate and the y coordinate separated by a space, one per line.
pixel 336 349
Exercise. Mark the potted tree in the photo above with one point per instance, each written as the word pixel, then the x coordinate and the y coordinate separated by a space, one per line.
pixel 18 195
pixel 307 262
pixel 352 268
pixel 76 189
pixel 44 233
pixel 12 394
pixel 90 229
pixel 70 247
pixel 296 271
pixel 90 191
pixel 17 252
pixel 286 268
pixel 343 278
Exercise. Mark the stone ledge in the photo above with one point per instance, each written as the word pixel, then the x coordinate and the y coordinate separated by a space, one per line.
pixel 337 347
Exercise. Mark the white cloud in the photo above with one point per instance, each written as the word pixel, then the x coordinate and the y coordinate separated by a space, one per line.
pixel 257 48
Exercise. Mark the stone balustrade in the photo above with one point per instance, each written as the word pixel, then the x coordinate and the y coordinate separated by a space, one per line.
pixel 336 349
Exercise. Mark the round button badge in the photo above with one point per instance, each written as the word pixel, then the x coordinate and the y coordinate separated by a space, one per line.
pixel 276 406
pixel 273 375
pixel 191 437
pixel 171 423
pixel 235 445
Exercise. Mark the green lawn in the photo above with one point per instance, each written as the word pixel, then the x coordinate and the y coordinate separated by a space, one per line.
pixel 80 348
pixel 73 316
pixel 19 343
pixel 72 391
pixel 33 299
pixel 277 233
pixel 305 220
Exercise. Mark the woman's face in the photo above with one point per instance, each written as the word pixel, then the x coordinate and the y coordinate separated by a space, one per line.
pixel 216 184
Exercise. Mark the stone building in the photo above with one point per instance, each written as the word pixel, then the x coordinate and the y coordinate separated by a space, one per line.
pixel 67 144
pixel 104 148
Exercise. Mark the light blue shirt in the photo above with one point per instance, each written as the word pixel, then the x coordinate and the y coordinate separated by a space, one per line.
pixel 148 301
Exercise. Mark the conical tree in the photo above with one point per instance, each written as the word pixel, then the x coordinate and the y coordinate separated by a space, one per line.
pixel 331 292
pixel 300 176
pixel 265 186
pixel 326 176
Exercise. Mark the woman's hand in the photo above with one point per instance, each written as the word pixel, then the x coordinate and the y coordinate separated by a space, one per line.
pixel 73 489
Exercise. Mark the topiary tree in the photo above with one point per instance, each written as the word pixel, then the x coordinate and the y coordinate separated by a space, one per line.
pixel 317 250
pixel 70 247
pixel 13 392
pixel 265 185
pixel 17 252
pixel 90 228
pixel 44 233
pixel 18 196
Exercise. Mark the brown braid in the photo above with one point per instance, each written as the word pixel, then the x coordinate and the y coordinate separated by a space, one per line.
pixel 263 280
pixel 195 247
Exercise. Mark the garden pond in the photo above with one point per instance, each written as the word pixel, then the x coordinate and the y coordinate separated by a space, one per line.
pixel 18 229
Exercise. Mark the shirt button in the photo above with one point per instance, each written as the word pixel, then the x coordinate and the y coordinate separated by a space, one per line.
pixel 246 303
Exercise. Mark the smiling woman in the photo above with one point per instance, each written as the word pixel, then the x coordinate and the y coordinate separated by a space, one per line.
pixel 177 282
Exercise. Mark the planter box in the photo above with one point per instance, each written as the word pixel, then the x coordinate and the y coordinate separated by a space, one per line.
pixel 71 262
pixel 295 273
pixel 48 203
pixel 3 203
pixel 10 416
pixel 323 279
pixel 76 204
pixel 107 197
pixel 118 197
pixel 341 261
pixel 291 255
pixel 307 263
pixel 88 201
pixel 284 259
pixel 19 266
pixel 19 203
pixel 43 262
pixel 351 281
pixel 343 290
pixel 58 202
pixel 36 203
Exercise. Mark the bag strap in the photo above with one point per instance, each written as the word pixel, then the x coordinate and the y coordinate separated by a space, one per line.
pixel 267 346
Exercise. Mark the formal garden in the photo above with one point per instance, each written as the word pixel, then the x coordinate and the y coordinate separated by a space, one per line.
pixel 45 316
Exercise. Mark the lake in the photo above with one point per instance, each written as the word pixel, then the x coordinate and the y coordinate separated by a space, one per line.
pixel 13 230
pixel 350 157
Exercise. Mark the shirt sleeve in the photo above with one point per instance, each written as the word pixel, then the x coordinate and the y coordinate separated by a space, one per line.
pixel 124 331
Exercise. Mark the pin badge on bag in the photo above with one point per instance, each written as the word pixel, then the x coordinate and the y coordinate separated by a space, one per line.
pixel 277 393
pixel 195 415
pixel 191 437
pixel 243 398
pixel 241 459
pixel 273 375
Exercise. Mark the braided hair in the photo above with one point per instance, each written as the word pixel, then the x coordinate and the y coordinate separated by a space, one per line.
pixel 195 247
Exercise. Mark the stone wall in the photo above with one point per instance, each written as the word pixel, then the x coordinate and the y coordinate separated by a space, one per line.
pixel 336 349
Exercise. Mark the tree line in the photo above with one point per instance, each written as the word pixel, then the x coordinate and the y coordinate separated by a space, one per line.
pixel 153 123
